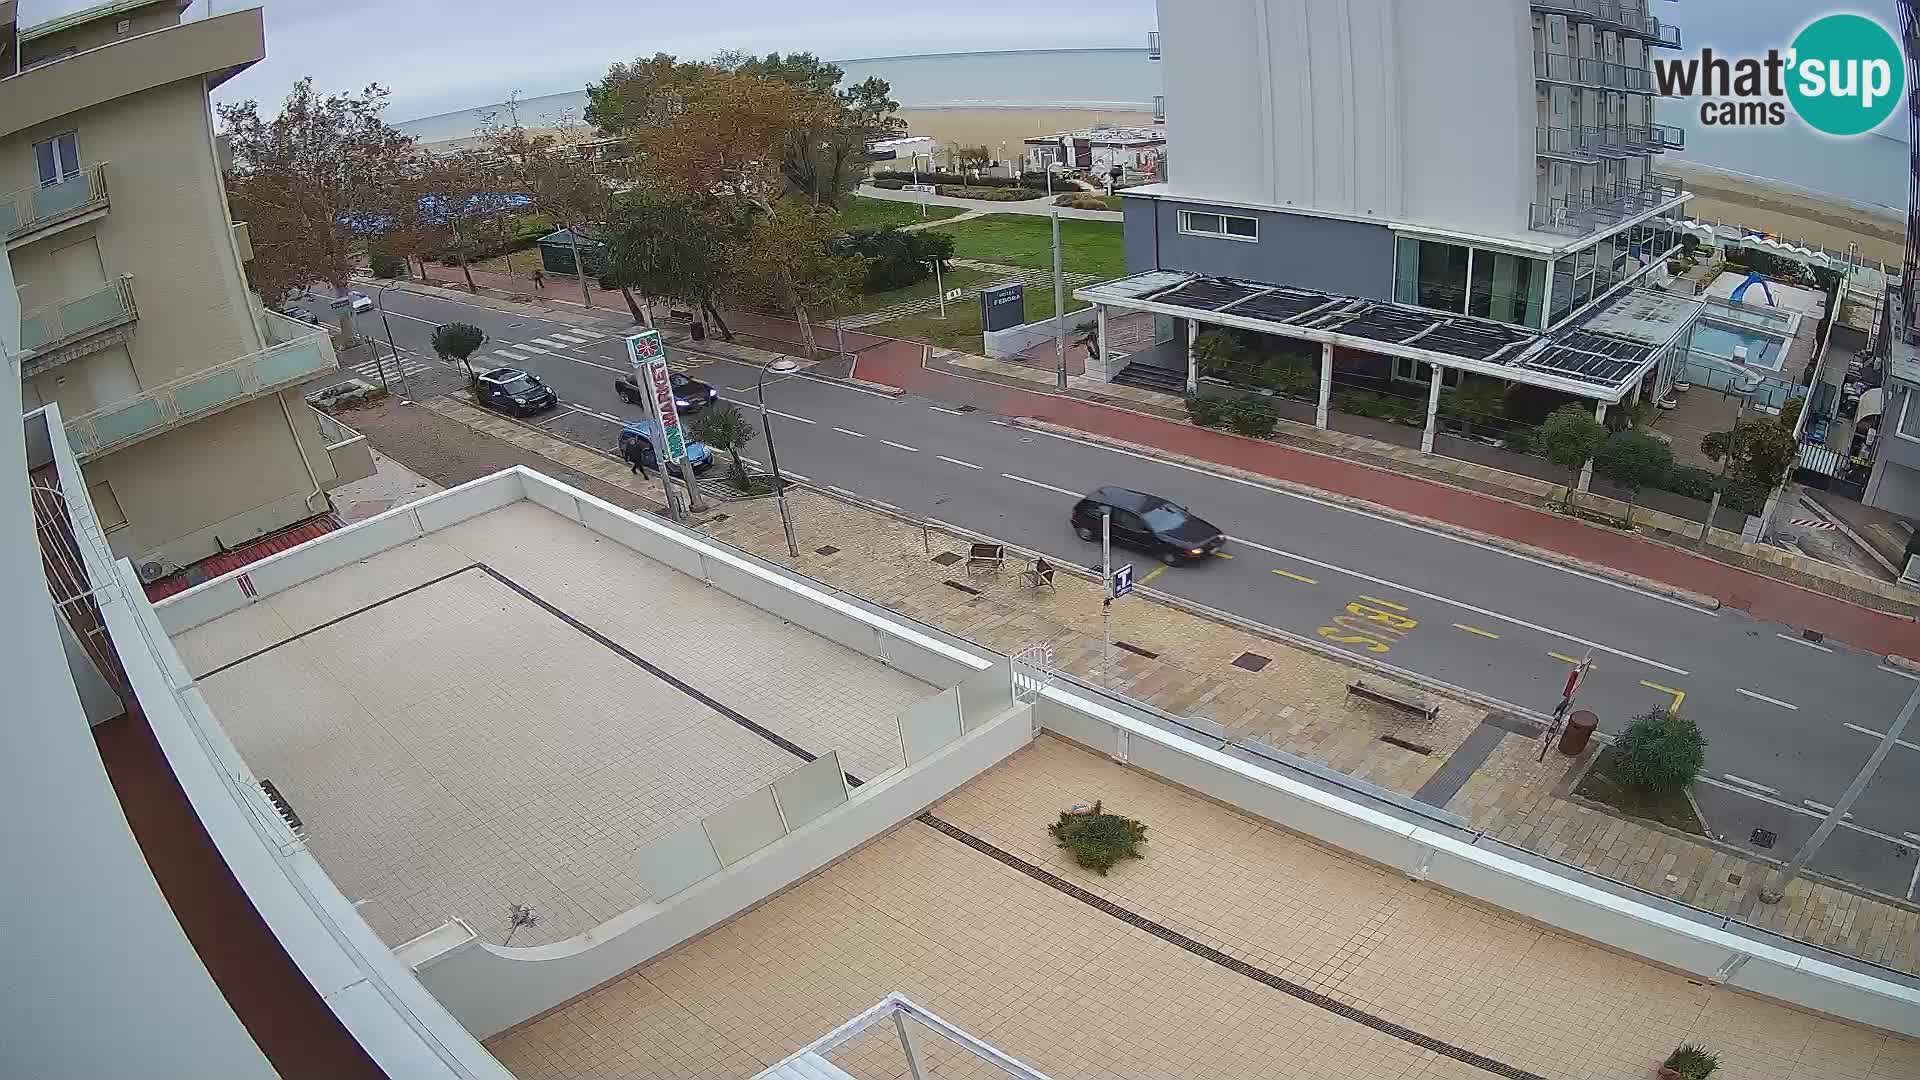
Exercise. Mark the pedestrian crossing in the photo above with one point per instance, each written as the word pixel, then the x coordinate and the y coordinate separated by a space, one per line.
pixel 370 370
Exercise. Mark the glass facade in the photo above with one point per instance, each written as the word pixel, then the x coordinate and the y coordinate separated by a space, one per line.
pixel 1586 275
pixel 1506 288
pixel 1472 281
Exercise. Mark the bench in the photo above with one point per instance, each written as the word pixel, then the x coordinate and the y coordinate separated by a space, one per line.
pixel 985 558
pixel 1405 701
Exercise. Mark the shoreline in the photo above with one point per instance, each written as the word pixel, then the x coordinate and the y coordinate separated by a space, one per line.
pixel 1792 213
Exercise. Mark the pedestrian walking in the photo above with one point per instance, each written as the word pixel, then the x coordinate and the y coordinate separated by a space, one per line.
pixel 539 278
pixel 636 461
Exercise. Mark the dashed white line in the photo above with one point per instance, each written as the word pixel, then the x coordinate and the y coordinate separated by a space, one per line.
pixel 949 412
pixel 1784 805
pixel 1462 605
pixel 1038 484
pixel 850 431
pixel 957 461
pixel 901 446
pixel 1881 735
pixel 510 354
pixel 1802 641
pixel 1744 782
pixel 790 416
pixel 1768 700
pixel 531 349
pixel 548 342
pixel 999 423
pixel 1889 669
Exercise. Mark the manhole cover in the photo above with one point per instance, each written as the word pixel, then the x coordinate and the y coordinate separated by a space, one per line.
pixel 1733 879
pixel 826 549
pixel 946 558
pixel 1252 661
pixel 1764 838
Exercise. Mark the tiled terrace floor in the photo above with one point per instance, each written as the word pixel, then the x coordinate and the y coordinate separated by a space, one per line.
pixel 457 749
pixel 1076 992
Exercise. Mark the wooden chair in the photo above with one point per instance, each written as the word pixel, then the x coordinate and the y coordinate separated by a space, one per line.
pixel 985 558
pixel 1041 576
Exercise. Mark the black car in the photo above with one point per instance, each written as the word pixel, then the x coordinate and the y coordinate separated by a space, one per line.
pixel 1147 522
pixel 514 391
pixel 689 395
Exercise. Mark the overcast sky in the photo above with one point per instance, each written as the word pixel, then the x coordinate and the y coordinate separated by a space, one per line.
pixel 441 55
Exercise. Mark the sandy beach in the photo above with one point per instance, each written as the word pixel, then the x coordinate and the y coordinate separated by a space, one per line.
pixel 1790 214
pixel 991 127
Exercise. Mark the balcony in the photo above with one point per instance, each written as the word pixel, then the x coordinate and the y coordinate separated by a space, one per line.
pixel 1599 209
pixel 1592 74
pixel 69 328
pixel 1153 45
pixel 200 395
pixel 347 449
pixel 1668 137
pixel 1159 108
pixel 41 210
pixel 1610 15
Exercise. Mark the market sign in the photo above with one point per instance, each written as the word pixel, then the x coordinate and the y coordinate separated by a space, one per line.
pixel 649 357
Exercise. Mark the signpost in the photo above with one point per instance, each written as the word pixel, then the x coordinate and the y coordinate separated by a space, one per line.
pixel 1118 584
pixel 1003 306
pixel 1560 712
pixel 648 355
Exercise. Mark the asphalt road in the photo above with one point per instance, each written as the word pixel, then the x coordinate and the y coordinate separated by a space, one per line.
pixel 1790 721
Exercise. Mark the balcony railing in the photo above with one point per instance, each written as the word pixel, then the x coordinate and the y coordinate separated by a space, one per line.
pixel 1159 107
pixel 1609 14
pixel 1597 209
pixel 1590 144
pixel 50 326
pixel 1153 44
pixel 347 449
pixel 1668 137
pixel 1587 72
pixel 45 204
pixel 199 395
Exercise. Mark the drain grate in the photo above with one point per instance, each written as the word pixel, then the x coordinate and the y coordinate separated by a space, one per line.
pixel 1252 661
pixel 968 408
pixel 1764 838
pixel 1814 636
pixel 1136 650
pixel 826 549
pixel 952 584
pixel 1733 879
pixel 946 558
pixel 1395 740
pixel 282 807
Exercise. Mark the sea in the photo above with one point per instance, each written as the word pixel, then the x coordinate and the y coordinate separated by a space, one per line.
pixel 1870 170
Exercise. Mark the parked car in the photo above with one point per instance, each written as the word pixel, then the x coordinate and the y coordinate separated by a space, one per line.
pixel 1164 529
pixel 514 391
pixel 689 395
pixel 641 432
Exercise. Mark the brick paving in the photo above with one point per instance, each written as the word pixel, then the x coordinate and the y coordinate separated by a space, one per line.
pixel 1296 702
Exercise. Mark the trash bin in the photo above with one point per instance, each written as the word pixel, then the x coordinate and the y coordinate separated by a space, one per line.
pixel 1578 732
pixel 699 331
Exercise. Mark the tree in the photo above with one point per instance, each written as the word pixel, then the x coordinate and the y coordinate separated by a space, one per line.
pixel 790 263
pixel 972 157
pixel 1761 451
pixel 1633 459
pixel 723 427
pixel 463 198
pixel 1569 437
pixel 557 179
pixel 677 247
pixel 1660 751
pixel 302 179
pixel 1476 403
pixel 458 341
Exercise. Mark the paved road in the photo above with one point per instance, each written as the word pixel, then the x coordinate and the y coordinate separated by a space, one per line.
pixel 1041 207
pixel 1790 721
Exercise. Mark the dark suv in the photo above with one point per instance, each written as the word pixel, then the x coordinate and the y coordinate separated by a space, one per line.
pixel 515 391
pixel 689 395
pixel 1149 523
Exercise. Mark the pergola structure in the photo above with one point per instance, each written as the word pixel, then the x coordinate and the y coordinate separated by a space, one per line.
pixel 1604 356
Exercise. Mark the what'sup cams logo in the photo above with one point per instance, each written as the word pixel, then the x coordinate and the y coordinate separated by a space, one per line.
pixel 1843 76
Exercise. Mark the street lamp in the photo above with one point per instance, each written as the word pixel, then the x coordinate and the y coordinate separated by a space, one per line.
pixel 380 297
pixel 782 366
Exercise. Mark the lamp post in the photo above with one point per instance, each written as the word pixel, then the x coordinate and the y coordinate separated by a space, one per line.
pixel 380 297
pixel 782 366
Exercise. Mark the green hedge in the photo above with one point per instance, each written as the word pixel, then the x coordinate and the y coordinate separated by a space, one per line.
pixel 388 266
pixel 1246 414
pixel 890 185
pixel 990 194
pixel 959 179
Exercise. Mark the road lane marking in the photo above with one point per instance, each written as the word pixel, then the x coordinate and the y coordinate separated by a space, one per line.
pixel 740 389
pixel 548 342
pixel 1157 571
pixel 1564 658
pixel 1217 554
pixel 901 446
pixel 1388 519
pixel 1785 805
pixel 1768 700
pixel 957 461
pixel 1382 603
pixel 1678 695
pixel 1476 630
pixel 1038 484
pixel 1296 577
pixel 1896 671
pixel 949 412
pixel 534 351
pixel 1802 641
pixel 416 318
pixel 999 423
pixel 1744 782
pixel 1882 735
pixel 850 431
pixel 1462 605
pixel 510 354
pixel 790 416
pixel 1825 809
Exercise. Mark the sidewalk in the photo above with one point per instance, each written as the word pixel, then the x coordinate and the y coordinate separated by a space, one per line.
pixel 1293 703
pixel 1041 207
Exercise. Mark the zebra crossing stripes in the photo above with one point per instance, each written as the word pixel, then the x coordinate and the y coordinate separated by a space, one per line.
pixel 370 371
pixel 1811 523
pixel 510 354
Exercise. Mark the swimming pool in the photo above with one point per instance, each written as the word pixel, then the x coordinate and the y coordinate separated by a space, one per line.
pixel 1719 339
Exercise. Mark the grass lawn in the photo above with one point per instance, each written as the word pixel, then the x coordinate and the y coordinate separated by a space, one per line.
pixel 861 212
pixel 1086 247
pixel 1672 809
pixel 960 330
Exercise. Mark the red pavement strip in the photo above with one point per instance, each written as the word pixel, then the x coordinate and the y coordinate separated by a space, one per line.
pixel 895 362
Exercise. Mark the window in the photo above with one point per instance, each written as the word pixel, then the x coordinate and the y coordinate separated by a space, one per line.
pixel 57 159
pixel 1909 426
pixel 1506 287
pixel 1231 226
pixel 1431 274
pixel 1405 370
pixel 105 506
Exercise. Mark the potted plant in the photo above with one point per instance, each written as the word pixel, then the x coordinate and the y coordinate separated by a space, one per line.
pixel 1689 1062
pixel 1096 838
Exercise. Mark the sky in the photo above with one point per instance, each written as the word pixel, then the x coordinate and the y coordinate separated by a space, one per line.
pixel 440 55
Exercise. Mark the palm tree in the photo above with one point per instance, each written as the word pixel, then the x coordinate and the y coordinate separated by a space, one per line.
pixel 723 427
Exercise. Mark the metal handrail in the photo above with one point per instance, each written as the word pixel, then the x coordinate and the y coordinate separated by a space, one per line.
pixel 897 1008
pixel 57 322
pixel 29 208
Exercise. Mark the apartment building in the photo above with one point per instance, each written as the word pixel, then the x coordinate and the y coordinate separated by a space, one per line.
pixel 128 288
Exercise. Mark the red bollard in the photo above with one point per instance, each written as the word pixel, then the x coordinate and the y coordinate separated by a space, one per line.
pixel 1578 732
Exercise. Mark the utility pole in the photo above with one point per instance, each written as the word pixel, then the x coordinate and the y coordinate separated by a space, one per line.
pixel 1059 312
pixel 939 287
pixel 1733 440
pixel 1106 592
pixel 1776 886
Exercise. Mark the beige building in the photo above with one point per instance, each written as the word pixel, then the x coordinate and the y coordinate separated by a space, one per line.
pixel 181 393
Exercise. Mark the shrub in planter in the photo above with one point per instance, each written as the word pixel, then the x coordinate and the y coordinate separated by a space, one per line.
pixel 1660 752
pixel 890 185
pixel 1098 839
pixel 1689 1062
pixel 1207 410
pixel 1518 440
pixel 1253 416
pixel 388 266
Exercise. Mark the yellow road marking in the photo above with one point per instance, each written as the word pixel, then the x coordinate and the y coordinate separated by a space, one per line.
pixel 1157 571
pixel 1221 555
pixel 1476 630
pixel 1678 695
pixel 1564 658
pixel 1382 603
pixel 1296 577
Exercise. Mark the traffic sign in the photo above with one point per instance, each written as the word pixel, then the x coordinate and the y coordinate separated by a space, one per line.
pixel 1121 583
pixel 649 357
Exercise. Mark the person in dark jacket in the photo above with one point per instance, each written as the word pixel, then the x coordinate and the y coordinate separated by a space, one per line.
pixel 633 451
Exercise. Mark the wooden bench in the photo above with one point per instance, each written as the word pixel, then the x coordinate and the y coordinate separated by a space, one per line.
pixel 1041 576
pixel 986 558
pixel 1405 701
